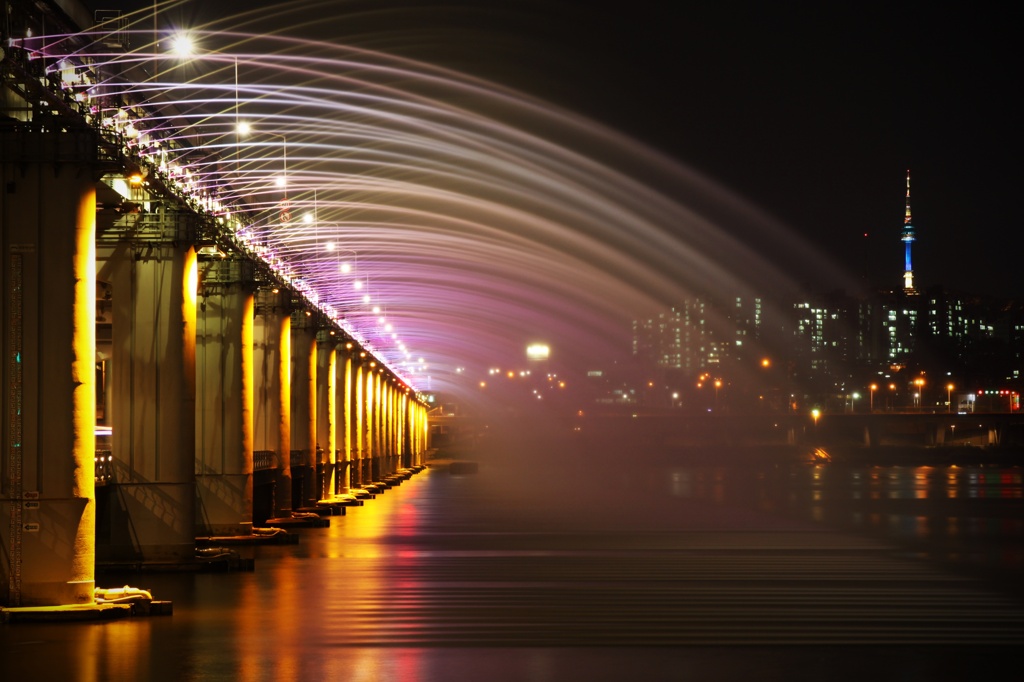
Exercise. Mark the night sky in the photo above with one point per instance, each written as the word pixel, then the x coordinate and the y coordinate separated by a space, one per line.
pixel 810 111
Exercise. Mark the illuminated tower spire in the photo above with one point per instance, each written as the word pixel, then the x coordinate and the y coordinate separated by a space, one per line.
pixel 908 239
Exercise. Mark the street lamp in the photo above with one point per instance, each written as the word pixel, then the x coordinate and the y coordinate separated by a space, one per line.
pixel 345 267
pixel 853 402
pixel 184 47
pixel 718 385
pixel 949 398
pixel 919 382
pixel 871 400
pixel 243 129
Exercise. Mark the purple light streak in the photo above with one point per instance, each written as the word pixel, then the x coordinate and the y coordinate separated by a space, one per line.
pixel 477 218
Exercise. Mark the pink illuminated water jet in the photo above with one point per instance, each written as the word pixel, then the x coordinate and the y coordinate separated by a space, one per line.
pixel 475 217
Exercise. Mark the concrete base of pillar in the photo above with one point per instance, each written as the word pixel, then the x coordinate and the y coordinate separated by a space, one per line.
pixel 45 594
pixel 224 530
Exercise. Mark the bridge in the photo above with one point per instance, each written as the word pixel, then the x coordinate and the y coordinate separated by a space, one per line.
pixel 169 373
pixel 165 375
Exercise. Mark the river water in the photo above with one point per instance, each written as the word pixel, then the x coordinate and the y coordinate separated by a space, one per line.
pixel 556 562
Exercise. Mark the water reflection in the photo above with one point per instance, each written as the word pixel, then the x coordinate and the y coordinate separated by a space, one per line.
pixel 955 508
pixel 551 569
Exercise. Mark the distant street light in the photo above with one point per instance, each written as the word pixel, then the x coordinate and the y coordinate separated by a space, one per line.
pixel 949 398
pixel 871 400
pixel 243 129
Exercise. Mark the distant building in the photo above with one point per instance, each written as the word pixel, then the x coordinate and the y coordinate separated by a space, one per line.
pixel 824 341
pixel 700 334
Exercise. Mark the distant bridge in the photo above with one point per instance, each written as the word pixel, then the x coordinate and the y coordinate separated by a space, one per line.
pixel 879 429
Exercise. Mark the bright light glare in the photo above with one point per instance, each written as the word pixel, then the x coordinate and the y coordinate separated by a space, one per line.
pixel 182 45
pixel 538 351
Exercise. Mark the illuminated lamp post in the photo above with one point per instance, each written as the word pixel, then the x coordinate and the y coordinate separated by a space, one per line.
pixel 184 47
pixel 871 399
pixel 718 385
pixel 949 398
pixel 243 129
pixel 919 383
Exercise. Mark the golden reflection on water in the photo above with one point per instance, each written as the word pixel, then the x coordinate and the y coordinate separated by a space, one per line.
pixel 343 586
pixel 845 496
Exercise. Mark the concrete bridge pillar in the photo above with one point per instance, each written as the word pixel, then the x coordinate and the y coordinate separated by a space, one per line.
pixel 379 441
pixel 424 436
pixel 397 420
pixel 224 399
pixel 149 505
pixel 303 410
pixel 401 424
pixel 420 431
pixel 344 399
pixel 405 430
pixel 326 414
pixel 48 270
pixel 387 426
pixel 410 429
pixel 870 436
pixel 371 467
pixel 272 340
pixel 358 421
